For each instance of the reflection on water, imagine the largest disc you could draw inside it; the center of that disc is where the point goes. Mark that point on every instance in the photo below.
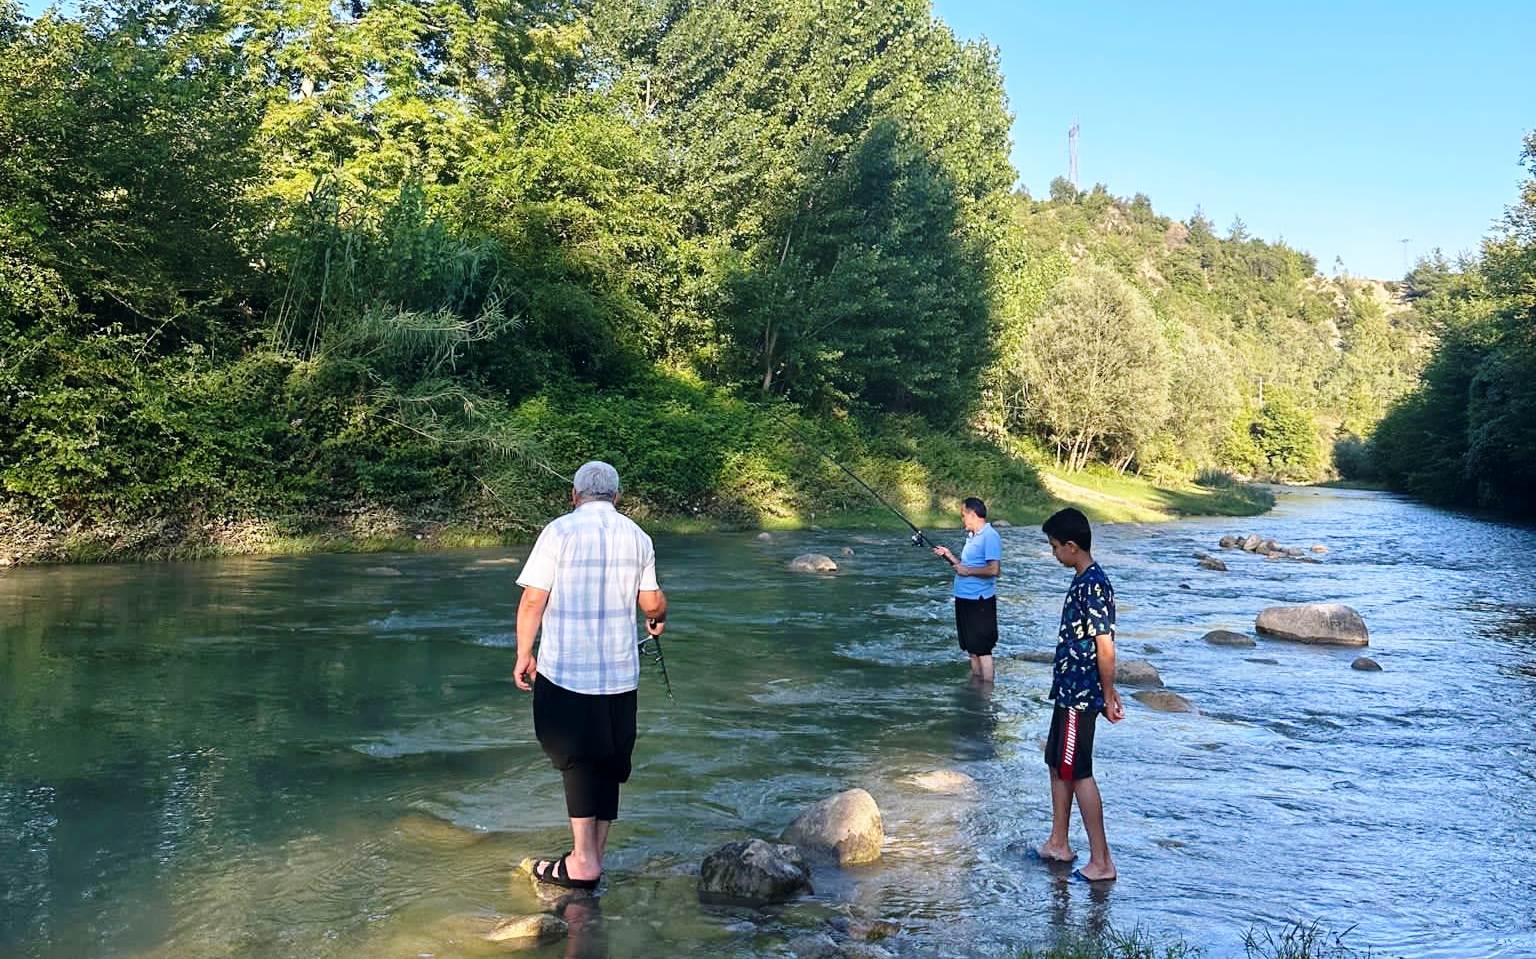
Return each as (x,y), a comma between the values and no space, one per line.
(305,757)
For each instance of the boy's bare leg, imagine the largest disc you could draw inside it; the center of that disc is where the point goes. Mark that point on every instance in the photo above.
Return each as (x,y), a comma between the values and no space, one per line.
(1057,847)
(1090,805)
(983,667)
(975,664)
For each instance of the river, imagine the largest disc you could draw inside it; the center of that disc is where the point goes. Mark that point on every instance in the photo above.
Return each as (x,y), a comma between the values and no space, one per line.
(316,757)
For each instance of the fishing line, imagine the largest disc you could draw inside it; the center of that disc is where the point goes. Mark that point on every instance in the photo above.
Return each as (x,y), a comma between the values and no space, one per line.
(918,539)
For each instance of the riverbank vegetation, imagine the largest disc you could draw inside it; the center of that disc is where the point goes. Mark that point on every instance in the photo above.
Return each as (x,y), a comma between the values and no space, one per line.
(277,273)
(1294,940)
(1466,435)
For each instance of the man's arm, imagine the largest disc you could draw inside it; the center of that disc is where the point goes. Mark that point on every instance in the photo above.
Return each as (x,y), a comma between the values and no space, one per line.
(1104,646)
(991,569)
(653,603)
(530,616)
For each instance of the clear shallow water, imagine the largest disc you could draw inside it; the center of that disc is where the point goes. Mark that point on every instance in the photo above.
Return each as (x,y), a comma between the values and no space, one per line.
(268,758)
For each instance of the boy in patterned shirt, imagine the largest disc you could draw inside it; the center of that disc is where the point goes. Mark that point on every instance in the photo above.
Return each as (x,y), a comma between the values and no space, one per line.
(1083,686)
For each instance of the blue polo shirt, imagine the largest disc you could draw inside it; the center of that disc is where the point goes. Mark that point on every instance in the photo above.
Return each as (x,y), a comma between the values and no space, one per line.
(981,547)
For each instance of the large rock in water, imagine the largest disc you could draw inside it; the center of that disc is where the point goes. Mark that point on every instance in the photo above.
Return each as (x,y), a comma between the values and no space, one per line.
(1332,624)
(1225,637)
(1251,544)
(813,563)
(846,825)
(1227,542)
(754,873)
(1163,701)
(1212,563)
(1137,672)
(1365,664)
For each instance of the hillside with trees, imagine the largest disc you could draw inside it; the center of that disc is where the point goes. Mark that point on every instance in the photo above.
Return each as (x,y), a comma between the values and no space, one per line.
(270,267)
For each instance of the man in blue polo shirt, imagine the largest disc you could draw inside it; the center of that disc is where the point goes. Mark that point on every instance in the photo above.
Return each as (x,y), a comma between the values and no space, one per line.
(976,572)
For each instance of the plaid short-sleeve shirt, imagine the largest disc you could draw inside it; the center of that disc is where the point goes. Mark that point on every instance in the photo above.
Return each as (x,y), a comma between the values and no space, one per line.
(593,561)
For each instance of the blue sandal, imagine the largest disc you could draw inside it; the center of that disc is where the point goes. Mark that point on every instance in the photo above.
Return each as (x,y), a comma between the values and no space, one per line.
(1077,876)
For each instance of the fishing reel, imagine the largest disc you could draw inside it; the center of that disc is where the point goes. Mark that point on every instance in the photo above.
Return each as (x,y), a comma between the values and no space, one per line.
(918,539)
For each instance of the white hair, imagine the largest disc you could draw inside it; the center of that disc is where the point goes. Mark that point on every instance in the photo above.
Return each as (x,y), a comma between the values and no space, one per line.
(596,480)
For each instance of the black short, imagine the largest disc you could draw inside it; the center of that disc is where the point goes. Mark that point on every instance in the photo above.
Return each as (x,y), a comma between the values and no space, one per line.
(590,739)
(976,621)
(1069,747)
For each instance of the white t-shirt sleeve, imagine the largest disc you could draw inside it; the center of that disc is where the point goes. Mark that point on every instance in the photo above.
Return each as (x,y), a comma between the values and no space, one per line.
(539,570)
(647,565)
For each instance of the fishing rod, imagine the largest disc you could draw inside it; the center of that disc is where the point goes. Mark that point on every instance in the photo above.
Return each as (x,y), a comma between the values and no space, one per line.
(918,539)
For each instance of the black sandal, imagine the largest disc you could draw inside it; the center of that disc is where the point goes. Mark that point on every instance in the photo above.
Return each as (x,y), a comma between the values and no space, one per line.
(554,872)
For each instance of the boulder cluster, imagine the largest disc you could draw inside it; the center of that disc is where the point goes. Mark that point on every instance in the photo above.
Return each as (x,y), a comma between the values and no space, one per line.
(1269,549)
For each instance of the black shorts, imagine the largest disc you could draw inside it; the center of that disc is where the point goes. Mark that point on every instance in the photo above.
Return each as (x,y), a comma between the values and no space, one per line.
(1069,747)
(590,739)
(976,621)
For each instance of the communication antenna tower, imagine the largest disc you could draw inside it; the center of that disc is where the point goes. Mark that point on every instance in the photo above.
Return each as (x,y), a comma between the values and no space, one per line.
(1072,153)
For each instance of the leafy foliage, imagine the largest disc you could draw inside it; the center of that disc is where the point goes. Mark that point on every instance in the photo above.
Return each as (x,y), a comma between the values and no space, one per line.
(1467,434)
(290,258)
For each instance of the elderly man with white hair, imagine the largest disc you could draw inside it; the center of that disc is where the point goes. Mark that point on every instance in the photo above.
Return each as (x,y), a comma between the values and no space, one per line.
(586,574)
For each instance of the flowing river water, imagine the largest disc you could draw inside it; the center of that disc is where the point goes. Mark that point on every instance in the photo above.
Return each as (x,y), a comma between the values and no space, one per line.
(325,756)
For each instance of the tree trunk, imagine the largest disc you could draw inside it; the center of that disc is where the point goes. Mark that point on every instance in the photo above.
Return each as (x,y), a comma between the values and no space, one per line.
(770,340)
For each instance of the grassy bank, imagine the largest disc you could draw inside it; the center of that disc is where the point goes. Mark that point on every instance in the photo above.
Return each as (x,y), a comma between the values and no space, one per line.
(693,459)
(162,538)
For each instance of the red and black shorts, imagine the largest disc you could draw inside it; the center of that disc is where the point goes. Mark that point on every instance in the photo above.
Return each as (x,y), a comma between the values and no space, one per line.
(1069,747)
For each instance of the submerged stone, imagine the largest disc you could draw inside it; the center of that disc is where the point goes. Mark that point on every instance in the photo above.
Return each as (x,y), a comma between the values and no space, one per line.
(1226,637)
(1164,701)
(1137,672)
(813,563)
(528,931)
(753,872)
(943,781)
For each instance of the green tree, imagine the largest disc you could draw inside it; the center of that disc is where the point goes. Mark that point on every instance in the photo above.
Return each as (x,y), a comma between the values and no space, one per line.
(847,165)
(1286,437)
(1094,370)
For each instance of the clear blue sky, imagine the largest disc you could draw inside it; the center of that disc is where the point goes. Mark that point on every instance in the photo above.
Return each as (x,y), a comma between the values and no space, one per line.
(1342,127)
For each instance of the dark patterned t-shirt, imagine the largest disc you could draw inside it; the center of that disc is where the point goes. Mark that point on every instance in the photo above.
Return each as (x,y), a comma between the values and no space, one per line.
(1088,611)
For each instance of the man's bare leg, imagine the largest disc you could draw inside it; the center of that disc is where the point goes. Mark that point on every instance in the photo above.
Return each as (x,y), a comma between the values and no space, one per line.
(586,858)
(602,841)
(1057,848)
(983,667)
(1090,805)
